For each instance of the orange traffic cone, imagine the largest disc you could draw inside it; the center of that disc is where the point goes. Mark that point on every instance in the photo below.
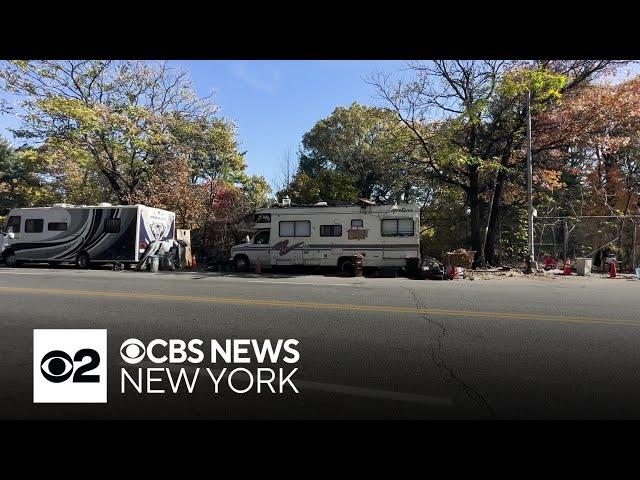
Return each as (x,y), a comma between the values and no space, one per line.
(258,267)
(567,267)
(613,273)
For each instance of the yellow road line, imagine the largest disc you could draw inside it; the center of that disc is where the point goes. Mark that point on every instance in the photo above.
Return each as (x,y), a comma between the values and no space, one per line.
(315,305)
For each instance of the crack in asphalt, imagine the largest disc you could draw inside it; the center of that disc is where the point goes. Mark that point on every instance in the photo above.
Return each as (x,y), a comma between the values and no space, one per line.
(446,372)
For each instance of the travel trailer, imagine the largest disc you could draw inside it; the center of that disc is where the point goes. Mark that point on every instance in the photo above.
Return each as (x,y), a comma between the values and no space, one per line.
(84,235)
(329,236)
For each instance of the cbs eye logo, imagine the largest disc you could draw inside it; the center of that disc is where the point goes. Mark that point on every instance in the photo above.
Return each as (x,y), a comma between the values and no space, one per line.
(132,351)
(69,366)
(56,366)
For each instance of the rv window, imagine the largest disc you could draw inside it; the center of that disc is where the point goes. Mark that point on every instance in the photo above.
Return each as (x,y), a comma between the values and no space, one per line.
(402,227)
(33,225)
(14,224)
(299,228)
(330,230)
(262,218)
(57,226)
(405,226)
(303,228)
(356,223)
(112,225)
(261,238)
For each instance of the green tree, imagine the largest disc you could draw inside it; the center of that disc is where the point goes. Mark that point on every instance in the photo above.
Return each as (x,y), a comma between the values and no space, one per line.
(256,190)
(128,132)
(213,149)
(126,117)
(21,182)
(467,120)
(357,145)
(326,185)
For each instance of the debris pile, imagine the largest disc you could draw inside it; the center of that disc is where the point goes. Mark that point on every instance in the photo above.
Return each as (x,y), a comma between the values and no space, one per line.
(162,255)
(460,258)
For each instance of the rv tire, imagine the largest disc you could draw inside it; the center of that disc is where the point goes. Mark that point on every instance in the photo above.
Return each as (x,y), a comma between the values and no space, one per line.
(241,263)
(346,266)
(10,259)
(82,260)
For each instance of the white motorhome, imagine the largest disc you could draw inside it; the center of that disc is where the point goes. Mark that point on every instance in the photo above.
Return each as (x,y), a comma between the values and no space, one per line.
(84,234)
(322,235)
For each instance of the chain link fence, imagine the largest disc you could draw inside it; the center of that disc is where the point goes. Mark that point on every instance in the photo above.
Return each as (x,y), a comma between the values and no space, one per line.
(592,237)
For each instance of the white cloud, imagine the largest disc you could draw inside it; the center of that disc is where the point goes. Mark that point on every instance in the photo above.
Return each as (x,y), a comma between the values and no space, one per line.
(267,84)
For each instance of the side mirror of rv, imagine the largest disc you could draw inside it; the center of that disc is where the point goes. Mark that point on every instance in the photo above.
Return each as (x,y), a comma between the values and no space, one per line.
(247,239)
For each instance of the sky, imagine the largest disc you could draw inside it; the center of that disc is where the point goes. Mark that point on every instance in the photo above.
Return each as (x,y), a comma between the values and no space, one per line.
(275,102)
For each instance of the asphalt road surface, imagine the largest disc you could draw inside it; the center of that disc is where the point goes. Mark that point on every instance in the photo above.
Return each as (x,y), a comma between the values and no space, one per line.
(370,348)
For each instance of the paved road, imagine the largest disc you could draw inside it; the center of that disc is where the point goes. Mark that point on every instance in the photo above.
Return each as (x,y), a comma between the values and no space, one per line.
(370,348)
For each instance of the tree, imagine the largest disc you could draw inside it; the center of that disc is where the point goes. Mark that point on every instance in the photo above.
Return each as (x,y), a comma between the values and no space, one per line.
(173,189)
(232,203)
(68,171)
(215,162)
(21,183)
(287,171)
(255,190)
(362,145)
(129,132)
(597,153)
(127,117)
(467,120)
(327,185)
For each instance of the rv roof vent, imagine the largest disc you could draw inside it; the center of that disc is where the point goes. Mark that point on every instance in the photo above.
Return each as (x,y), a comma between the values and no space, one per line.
(104,204)
(62,205)
(321,204)
(286,201)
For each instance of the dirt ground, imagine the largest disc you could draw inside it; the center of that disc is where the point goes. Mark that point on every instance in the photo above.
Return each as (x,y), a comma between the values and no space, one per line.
(551,275)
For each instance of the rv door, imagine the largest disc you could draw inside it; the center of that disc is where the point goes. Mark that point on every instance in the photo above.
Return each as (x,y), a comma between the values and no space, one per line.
(260,247)
(4,241)
(12,228)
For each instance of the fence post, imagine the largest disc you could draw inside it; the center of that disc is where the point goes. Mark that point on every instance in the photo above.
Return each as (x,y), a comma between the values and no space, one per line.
(633,248)
(566,240)
(620,237)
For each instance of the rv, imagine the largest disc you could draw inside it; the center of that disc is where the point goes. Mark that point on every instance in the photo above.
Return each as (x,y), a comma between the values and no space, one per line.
(83,235)
(330,236)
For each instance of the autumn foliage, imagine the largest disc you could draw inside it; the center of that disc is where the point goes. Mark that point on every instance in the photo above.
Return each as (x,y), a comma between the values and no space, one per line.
(591,140)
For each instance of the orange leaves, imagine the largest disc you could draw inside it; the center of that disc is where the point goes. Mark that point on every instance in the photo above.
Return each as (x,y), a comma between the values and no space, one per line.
(594,132)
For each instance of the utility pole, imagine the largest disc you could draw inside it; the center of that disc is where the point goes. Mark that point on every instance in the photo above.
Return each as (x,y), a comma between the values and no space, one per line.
(530,263)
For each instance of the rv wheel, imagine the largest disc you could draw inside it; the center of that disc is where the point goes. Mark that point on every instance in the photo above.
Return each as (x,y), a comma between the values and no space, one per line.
(10,259)
(241,263)
(82,260)
(346,267)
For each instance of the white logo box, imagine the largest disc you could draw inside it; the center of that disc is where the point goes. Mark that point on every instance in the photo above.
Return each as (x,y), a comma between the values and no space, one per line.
(69,341)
